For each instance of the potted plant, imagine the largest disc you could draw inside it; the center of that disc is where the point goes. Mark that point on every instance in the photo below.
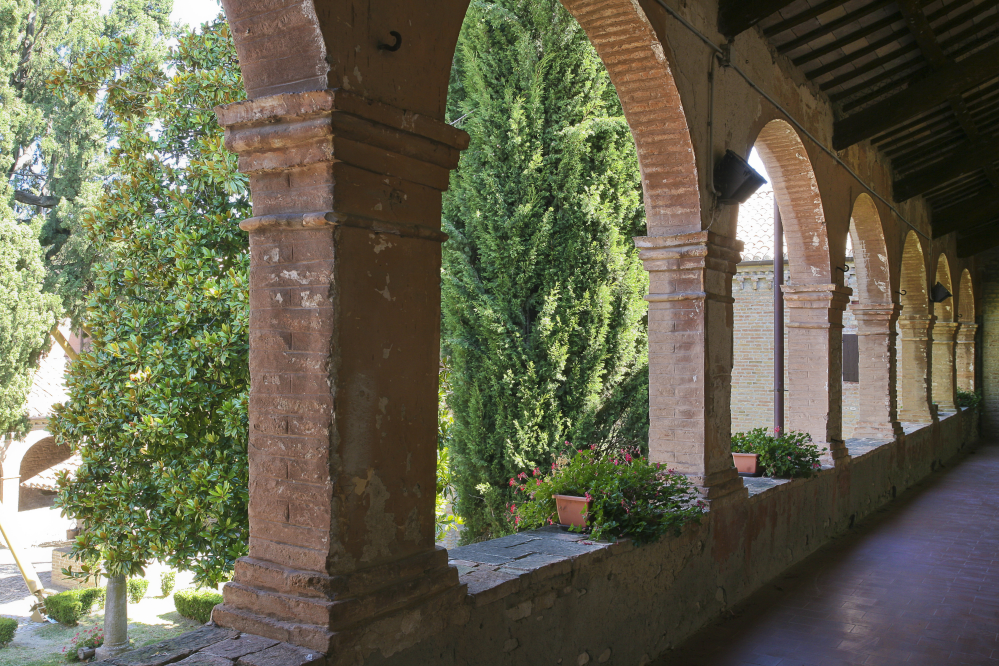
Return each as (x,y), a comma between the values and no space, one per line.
(623,494)
(782,454)
(747,464)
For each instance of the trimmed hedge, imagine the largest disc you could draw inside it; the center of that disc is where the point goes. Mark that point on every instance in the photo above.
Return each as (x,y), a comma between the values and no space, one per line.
(197,604)
(68,607)
(8,626)
(137,589)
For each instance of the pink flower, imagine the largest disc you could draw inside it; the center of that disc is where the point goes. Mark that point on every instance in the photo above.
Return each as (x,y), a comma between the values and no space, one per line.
(536,471)
(522,475)
(538,481)
(513,508)
(627,456)
(512,482)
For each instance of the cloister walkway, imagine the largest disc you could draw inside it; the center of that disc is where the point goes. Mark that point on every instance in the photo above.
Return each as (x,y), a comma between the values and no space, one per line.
(916,584)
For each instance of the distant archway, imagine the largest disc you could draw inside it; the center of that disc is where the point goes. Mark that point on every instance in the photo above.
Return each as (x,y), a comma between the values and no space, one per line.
(869,401)
(797,194)
(914,349)
(965,352)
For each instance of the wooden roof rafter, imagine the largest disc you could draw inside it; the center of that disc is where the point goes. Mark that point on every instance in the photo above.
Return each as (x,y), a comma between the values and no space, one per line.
(735,16)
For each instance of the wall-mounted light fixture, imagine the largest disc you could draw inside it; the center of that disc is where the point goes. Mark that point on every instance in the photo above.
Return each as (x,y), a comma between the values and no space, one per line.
(735,180)
(939,293)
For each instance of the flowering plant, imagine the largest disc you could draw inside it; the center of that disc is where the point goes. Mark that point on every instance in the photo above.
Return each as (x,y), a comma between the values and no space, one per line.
(629,496)
(783,454)
(86,639)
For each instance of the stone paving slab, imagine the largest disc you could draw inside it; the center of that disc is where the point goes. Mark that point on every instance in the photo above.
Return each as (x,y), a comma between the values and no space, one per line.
(174,649)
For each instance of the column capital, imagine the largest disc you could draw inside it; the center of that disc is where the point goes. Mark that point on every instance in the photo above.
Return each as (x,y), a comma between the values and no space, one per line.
(967,332)
(833,296)
(944,331)
(689,267)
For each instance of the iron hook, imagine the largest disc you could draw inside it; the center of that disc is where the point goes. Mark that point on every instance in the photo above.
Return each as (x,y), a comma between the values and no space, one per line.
(393,47)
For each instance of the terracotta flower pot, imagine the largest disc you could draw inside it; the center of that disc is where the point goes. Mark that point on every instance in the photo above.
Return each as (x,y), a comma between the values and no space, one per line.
(572,510)
(745,463)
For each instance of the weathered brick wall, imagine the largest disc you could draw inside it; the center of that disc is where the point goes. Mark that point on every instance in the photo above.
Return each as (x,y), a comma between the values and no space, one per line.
(62,559)
(990,346)
(753,346)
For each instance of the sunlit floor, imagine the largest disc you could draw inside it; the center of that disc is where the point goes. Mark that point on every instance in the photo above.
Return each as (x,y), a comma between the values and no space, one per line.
(916,584)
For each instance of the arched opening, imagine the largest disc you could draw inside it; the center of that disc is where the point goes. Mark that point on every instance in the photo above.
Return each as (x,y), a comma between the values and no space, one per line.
(914,325)
(943,335)
(965,352)
(377,233)
(869,405)
(814,341)
(37,471)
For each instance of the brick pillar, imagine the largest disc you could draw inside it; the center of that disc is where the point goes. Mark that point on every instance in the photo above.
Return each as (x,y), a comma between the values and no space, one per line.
(815,364)
(690,356)
(915,355)
(965,356)
(877,416)
(344,352)
(944,379)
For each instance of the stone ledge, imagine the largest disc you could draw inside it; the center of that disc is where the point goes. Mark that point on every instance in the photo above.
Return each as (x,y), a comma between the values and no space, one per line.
(214,646)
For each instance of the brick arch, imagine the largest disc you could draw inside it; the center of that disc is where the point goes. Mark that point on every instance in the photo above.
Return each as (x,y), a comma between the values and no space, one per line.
(636,61)
(966,298)
(284,50)
(797,193)
(944,311)
(915,299)
(44,454)
(870,253)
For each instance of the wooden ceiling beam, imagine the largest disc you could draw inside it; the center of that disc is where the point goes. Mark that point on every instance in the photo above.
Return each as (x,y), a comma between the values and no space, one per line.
(921,29)
(917,98)
(798,19)
(982,241)
(735,16)
(969,156)
(836,24)
(966,214)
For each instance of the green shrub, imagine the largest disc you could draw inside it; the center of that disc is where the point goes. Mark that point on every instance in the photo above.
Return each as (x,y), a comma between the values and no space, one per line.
(64,608)
(8,626)
(137,589)
(91,596)
(197,604)
(787,454)
(629,496)
(167,581)
(968,398)
(68,607)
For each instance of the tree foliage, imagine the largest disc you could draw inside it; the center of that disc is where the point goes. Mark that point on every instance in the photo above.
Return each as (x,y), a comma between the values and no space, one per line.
(27,314)
(157,408)
(53,144)
(543,314)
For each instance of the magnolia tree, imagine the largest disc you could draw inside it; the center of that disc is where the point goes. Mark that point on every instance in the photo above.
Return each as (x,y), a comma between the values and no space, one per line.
(158,407)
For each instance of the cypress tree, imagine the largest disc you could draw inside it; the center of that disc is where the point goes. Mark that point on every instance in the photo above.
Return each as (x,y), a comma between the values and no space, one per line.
(543,314)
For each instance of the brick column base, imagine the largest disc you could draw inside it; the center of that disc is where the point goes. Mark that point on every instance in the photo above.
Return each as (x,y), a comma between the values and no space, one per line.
(345,264)
(690,357)
(915,364)
(878,409)
(944,379)
(964,356)
(815,364)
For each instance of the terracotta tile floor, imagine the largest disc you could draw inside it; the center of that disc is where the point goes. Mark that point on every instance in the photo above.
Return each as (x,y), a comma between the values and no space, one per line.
(914,584)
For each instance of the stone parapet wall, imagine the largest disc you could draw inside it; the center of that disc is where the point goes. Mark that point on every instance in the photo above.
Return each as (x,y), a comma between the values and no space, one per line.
(544,597)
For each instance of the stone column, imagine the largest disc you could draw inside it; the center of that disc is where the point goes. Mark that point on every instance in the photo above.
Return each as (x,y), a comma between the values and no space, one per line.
(944,379)
(965,356)
(815,364)
(115,619)
(345,258)
(690,357)
(877,416)
(915,355)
